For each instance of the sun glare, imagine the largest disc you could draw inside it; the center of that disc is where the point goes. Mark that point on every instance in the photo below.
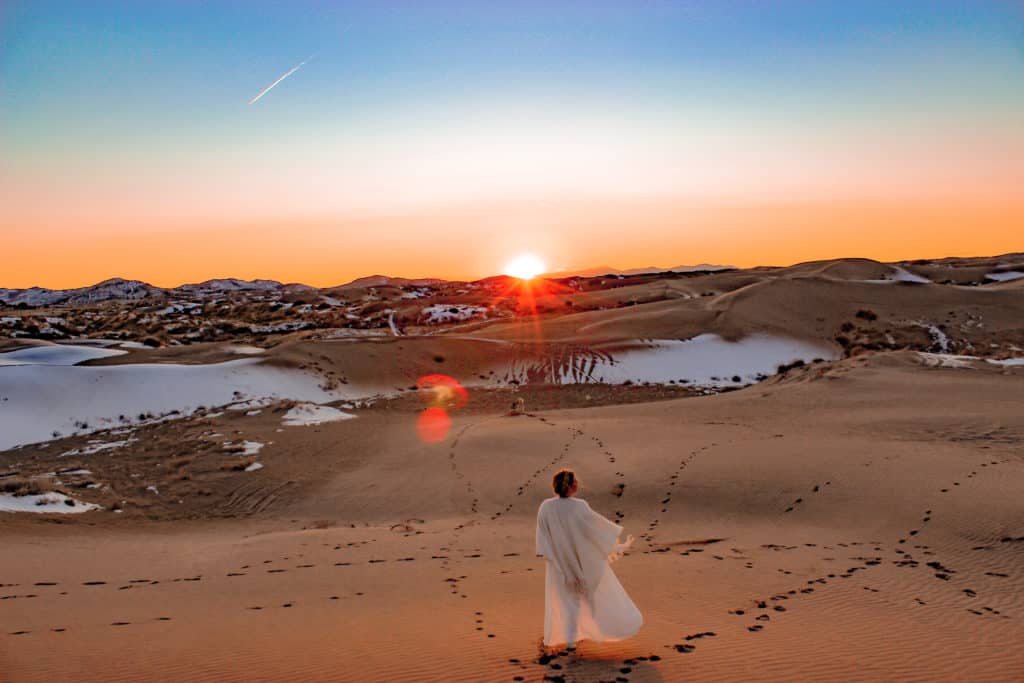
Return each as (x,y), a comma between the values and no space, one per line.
(524,267)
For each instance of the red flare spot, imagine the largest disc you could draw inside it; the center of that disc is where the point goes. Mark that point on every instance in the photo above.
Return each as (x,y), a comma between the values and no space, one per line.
(433,425)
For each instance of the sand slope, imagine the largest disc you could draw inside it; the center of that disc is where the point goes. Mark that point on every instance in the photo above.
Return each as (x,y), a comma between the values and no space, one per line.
(859,521)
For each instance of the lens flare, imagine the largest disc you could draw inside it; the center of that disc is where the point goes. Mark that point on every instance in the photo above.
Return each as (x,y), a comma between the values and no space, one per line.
(442,391)
(441,394)
(433,425)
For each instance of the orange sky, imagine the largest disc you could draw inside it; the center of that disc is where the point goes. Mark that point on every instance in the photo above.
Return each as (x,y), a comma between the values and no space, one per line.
(477,240)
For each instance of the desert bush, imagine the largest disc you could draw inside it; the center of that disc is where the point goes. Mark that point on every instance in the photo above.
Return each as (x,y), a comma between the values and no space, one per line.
(867,314)
(20,487)
(846,327)
(786,367)
(236,465)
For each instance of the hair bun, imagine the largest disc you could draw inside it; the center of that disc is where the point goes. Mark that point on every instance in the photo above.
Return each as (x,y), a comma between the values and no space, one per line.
(562,482)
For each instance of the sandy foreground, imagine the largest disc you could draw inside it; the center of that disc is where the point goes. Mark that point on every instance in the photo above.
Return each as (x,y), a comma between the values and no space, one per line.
(862,521)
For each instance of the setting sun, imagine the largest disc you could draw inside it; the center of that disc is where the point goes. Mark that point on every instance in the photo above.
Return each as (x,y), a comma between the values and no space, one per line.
(524,267)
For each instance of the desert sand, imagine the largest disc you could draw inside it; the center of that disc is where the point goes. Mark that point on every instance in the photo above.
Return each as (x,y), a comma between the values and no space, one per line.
(857,518)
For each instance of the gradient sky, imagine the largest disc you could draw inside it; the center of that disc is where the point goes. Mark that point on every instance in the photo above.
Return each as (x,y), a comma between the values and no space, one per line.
(440,138)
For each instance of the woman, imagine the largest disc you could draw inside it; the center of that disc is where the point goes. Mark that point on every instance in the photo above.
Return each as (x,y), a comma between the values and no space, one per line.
(583,598)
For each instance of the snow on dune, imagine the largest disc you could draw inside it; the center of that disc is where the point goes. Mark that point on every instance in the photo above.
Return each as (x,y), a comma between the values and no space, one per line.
(243,350)
(96,447)
(446,313)
(310,414)
(901,275)
(709,360)
(705,360)
(55,354)
(247,447)
(1004,276)
(949,360)
(44,502)
(39,400)
(1007,361)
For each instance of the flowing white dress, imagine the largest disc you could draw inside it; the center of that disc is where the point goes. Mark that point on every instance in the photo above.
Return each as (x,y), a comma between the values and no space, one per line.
(577,544)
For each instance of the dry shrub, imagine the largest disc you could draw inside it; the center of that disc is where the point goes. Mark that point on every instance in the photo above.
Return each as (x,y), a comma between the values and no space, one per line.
(20,487)
(237,465)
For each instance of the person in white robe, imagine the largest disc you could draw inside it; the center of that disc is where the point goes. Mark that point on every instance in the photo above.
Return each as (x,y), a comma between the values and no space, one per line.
(583,599)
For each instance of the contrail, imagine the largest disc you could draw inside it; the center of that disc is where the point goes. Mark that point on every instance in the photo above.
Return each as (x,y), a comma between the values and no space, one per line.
(287,73)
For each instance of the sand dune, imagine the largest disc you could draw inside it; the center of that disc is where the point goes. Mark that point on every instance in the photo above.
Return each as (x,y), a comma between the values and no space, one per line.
(856,518)
(854,502)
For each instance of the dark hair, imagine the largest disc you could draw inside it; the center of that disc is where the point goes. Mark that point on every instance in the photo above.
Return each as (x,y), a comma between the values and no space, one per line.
(563,481)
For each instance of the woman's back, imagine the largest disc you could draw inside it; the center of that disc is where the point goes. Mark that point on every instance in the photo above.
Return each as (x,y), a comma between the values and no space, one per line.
(583,598)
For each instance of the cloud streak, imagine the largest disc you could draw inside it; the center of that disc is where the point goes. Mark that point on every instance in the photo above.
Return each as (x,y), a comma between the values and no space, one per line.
(286,74)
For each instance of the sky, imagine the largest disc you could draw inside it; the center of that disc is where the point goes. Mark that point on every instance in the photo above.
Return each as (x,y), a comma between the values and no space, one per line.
(442,138)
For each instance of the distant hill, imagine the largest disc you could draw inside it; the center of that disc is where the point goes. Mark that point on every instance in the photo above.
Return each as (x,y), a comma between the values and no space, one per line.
(608,270)
(387,281)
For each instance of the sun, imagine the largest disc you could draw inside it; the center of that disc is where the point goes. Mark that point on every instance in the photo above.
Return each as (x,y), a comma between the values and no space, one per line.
(524,267)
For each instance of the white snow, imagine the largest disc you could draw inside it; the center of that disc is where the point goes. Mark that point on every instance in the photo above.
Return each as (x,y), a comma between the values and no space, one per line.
(47,398)
(94,448)
(392,325)
(279,327)
(946,360)
(9,320)
(253,467)
(153,489)
(251,404)
(132,345)
(310,414)
(705,360)
(248,447)
(1004,276)
(76,473)
(243,350)
(251,413)
(1007,361)
(901,275)
(444,313)
(904,275)
(191,308)
(44,502)
(55,354)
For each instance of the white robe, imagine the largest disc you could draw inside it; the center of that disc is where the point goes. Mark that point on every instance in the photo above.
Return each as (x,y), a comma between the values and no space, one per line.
(577,543)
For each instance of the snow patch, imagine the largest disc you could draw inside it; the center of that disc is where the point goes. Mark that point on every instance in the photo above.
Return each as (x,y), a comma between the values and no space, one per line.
(94,448)
(1004,276)
(243,350)
(311,414)
(705,360)
(248,447)
(253,467)
(445,313)
(43,399)
(44,502)
(55,354)
(901,275)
